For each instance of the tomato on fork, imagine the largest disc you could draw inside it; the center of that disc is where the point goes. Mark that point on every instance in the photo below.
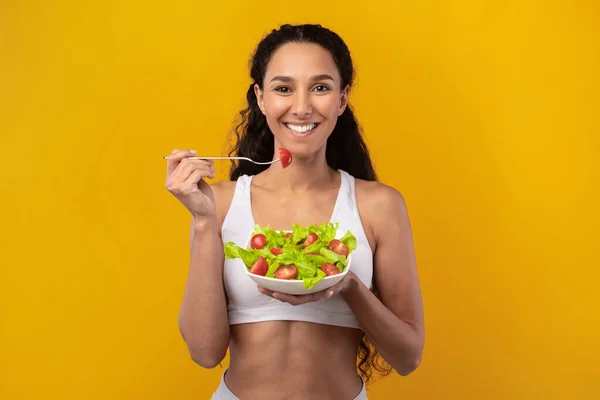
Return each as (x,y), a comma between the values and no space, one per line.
(286,157)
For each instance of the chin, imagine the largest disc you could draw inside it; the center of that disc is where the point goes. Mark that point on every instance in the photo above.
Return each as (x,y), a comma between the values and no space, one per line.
(304,149)
(299,152)
(301,147)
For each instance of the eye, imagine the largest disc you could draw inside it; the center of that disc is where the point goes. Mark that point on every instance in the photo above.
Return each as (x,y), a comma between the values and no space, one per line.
(282,89)
(321,88)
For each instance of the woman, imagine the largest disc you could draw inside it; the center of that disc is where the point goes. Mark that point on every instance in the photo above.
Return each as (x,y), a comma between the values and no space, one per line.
(298,347)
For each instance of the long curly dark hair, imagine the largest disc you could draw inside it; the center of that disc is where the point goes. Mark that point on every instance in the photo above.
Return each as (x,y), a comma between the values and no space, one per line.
(345,149)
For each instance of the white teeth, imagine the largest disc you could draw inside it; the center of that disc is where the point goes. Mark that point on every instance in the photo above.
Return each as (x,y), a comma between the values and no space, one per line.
(302,128)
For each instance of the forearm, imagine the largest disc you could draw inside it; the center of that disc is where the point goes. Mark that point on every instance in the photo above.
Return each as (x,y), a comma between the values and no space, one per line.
(399,343)
(203,316)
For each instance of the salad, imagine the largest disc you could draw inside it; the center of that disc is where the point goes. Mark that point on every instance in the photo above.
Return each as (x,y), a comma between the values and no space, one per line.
(307,253)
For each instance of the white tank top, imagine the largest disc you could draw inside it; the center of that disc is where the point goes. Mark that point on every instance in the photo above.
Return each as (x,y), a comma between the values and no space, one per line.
(246,304)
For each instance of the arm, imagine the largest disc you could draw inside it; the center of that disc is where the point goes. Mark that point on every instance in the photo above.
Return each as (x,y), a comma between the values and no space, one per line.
(394,324)
(203,319)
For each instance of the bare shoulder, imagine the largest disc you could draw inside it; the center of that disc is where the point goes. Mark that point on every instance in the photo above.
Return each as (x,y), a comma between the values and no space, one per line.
(223,192)
(379,206)
(379,202)
(377,193)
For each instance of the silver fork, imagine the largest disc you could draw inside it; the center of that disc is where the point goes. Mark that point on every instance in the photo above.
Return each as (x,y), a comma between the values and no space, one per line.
(230,158)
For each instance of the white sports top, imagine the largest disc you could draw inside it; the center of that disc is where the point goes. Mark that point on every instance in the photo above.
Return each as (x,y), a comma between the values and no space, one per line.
(246,304)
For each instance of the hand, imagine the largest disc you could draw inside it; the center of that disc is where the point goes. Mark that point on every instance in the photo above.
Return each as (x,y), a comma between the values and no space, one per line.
(185,180)
(294,300)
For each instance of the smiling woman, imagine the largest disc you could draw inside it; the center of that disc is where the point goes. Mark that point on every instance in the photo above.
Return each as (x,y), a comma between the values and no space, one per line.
(298,101)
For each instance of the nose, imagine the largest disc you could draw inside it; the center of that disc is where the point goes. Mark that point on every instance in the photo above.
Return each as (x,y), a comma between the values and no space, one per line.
(301,106)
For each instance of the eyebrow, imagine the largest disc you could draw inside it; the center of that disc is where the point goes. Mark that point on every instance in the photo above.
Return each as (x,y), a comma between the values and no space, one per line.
(314,78)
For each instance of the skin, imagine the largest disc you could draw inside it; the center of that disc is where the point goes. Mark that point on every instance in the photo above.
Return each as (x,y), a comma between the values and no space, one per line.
(293,359)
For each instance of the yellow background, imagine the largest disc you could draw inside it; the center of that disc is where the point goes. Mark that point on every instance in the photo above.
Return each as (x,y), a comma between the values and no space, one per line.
(484,114)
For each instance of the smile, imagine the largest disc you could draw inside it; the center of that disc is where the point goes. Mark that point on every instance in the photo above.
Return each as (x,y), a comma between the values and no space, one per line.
(302,130)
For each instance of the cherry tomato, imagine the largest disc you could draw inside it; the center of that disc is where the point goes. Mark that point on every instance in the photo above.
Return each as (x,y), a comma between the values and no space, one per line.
(286,157)
(310,239)
(287,235)
(276,251)
(259,267)
(338,247)
(258,241)
(286,272)
(330,269)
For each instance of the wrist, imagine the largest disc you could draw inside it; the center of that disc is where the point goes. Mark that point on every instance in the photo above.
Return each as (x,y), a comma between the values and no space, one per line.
(202,224)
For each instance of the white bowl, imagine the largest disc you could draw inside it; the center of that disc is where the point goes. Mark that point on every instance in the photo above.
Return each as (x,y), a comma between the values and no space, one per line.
(293,286)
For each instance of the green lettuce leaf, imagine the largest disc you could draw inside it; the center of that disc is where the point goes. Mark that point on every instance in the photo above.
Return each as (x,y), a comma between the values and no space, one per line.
(247,256)
(349,240)
(318,260)
(314,248)
(299,233)
(333,257)
(305,269)
(309,283)
(265,252)
(326,232)
(271,271)
(289,256)
(274,238)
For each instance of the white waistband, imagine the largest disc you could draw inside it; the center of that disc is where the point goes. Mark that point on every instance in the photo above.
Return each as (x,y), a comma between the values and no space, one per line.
(223,392)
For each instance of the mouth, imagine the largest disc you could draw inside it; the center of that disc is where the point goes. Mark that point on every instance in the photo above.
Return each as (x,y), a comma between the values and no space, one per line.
(302,130)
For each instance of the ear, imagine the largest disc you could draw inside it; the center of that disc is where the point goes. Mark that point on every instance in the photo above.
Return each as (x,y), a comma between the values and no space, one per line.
(259,97)
(344,100)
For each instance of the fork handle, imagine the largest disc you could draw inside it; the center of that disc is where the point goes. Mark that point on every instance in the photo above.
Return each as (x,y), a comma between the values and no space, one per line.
(212,158)
(232,158)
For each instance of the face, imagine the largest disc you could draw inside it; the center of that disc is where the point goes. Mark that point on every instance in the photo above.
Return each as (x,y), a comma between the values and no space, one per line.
(302,97)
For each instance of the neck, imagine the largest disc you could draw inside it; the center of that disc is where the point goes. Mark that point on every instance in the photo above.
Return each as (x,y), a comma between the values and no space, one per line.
(303,174)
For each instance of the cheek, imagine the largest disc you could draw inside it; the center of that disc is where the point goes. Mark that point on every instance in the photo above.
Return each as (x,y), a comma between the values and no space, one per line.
(327,106)
(276,106)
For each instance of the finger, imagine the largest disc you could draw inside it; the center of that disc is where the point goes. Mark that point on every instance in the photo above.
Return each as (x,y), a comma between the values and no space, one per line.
(185,172)
(189,183)
(278,296)
(181,181)
(332,291)
(271,293)
(189,164)
(195,177)
(291,299)
(340,286)
(297,300)
(311,297)
(175,158)
(178,156)
(186,167)
(264,291)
